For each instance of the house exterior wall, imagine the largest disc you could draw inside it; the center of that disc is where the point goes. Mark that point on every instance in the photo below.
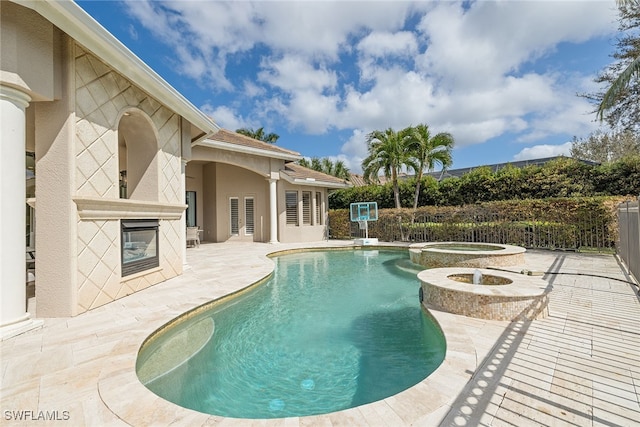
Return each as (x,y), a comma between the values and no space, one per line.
(30,52)
(102,97)
(230,174)
(233,181)
(218,175)
(314,232)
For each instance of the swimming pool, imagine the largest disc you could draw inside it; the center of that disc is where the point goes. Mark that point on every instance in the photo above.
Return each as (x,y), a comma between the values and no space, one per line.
(328,331)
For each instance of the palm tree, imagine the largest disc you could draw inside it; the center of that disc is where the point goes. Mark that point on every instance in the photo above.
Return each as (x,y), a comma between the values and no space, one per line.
(259,134)
(428,151)
(341,170)
(621,83)
(326,165)
(389,151)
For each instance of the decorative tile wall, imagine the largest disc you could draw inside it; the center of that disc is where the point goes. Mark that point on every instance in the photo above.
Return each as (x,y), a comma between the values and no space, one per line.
(98,263)
(101,95)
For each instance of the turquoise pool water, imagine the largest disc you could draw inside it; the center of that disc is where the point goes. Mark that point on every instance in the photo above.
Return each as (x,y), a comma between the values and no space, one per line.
(329,331)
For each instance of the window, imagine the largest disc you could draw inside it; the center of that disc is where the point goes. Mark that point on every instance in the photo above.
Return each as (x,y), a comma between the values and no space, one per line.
(191,209)
(291,199)
(249,225)
(234,217)
(318,208)
(306,207)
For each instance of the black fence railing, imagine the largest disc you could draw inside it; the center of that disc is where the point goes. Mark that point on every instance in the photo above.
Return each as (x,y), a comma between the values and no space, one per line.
(629,247)
(587,231)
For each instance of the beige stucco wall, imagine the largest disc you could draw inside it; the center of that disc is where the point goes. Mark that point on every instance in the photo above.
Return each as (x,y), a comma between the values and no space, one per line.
(72,125)
(102,97)
(258,164)
(216,182)
(53,126)
(301,232)
(30,47)
(233,181)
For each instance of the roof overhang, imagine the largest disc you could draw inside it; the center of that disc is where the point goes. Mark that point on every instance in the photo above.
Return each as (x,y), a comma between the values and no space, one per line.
(79,25)
(313,182)
(209,143)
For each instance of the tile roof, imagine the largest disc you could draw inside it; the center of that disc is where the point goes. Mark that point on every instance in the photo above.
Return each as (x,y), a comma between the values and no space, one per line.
(230,137)
(297,172)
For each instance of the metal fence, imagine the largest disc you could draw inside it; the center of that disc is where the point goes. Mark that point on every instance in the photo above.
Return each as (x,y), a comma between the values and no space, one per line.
(587,231)
(629,247)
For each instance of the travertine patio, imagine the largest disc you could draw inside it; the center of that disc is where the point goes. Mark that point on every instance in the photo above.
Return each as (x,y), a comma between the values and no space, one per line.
(580,366)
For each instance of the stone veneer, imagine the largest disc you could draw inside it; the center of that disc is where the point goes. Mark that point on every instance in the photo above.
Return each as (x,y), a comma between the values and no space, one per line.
(433,255)
(526,298)
(102,95)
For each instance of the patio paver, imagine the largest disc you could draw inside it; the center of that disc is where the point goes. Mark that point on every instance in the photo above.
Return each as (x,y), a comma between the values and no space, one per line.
(580,366)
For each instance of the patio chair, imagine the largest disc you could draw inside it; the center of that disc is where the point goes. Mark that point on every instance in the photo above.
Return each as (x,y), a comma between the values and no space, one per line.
(193,236)
(31,266)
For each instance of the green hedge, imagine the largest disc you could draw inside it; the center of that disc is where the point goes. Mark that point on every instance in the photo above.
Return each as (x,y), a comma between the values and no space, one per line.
(566,223)
(564,177)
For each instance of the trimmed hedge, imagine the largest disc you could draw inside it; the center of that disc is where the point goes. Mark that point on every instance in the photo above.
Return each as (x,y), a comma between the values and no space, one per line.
(560,223)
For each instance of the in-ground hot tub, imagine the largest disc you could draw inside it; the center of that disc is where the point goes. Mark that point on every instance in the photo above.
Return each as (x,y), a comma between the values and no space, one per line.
(499,296)
(463,254)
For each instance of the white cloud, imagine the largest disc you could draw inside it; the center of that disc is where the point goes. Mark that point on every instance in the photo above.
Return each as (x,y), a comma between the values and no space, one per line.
(355,150)
(381,44)
(474,47)
(543,150)
(225,117)
(293,73)
(319,66)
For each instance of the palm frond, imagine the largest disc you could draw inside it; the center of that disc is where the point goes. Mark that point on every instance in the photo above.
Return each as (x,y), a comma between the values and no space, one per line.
(618,87)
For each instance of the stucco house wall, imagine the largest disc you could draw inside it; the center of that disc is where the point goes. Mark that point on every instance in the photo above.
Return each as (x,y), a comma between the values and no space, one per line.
(313,232)
(103,97)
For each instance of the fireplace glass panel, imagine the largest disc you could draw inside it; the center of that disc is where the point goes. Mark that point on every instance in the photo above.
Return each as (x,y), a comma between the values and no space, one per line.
(139,246)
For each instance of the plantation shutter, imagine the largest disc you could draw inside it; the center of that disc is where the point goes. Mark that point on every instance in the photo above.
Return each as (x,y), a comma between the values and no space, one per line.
(233,210)
(248,216)
(306,207)
(291,198)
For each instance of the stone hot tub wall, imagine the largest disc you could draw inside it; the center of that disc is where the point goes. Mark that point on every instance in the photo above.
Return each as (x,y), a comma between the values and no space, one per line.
(526,298)
(432,257)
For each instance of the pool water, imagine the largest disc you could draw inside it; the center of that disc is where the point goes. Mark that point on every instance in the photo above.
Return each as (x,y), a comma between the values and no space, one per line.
(328,331)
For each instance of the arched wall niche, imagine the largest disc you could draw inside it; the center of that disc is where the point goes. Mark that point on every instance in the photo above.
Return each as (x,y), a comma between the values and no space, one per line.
(137,156)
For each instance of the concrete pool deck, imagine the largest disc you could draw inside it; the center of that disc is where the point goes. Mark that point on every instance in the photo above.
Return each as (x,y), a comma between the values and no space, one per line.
(580,366)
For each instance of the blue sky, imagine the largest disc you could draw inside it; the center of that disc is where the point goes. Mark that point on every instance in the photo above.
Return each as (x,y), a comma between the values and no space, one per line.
(501,77)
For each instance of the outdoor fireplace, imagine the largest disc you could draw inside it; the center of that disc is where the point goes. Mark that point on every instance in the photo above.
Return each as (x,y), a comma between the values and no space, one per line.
(139,245)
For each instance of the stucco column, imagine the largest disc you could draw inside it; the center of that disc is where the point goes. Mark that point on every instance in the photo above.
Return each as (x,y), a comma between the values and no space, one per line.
(14,318)
(183,221)
(273,211)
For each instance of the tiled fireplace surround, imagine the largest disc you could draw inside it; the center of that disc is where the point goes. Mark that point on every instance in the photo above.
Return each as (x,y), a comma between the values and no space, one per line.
(102,95)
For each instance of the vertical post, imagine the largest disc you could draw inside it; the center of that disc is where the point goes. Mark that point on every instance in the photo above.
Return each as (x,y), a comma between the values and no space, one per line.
(14,318)
(183,219)
(273,211)
(636,262)
(628,231)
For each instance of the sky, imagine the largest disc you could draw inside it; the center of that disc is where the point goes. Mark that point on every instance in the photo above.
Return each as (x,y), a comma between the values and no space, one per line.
(502,77)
